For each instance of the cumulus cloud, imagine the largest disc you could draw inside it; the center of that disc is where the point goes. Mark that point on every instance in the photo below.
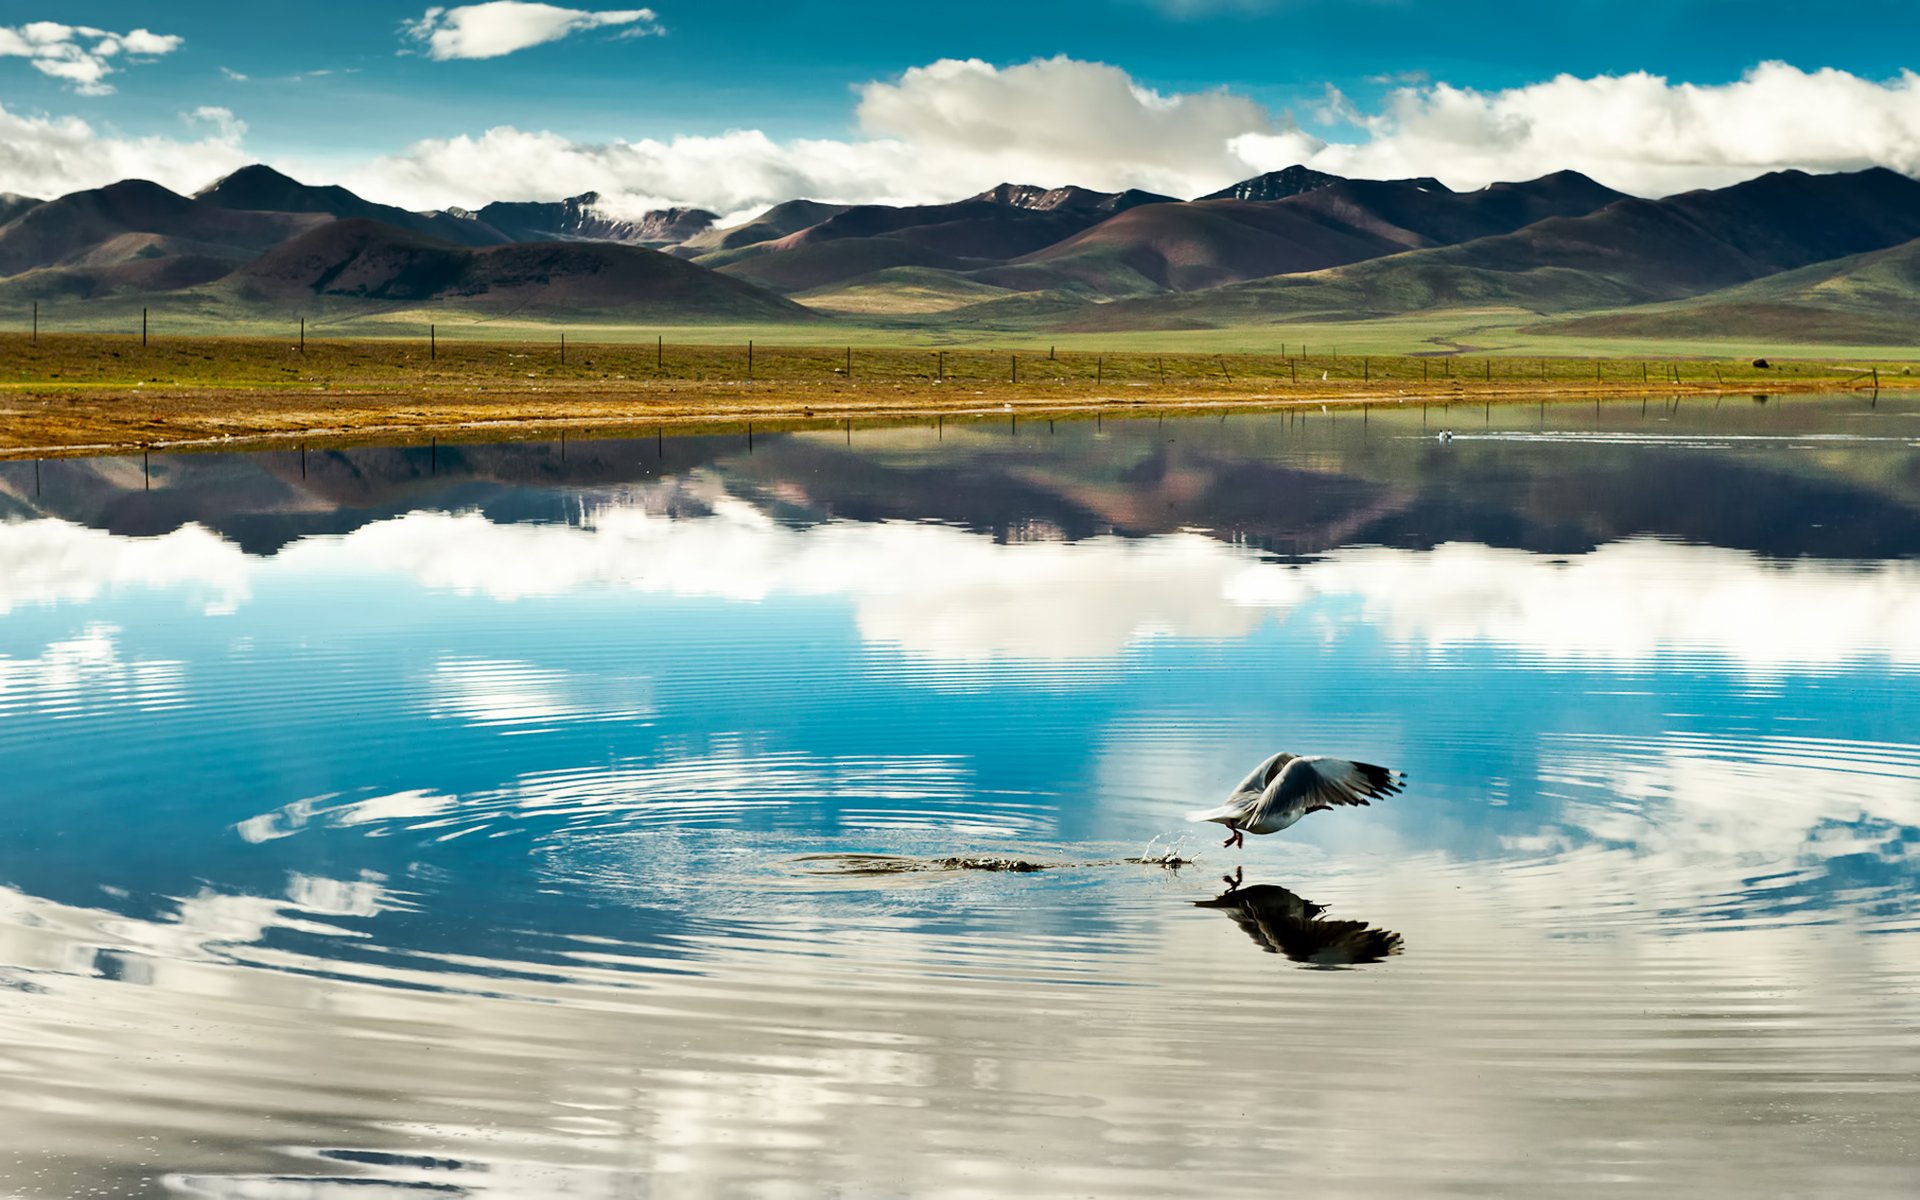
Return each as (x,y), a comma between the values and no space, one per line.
(1641,133)
(504,26)
(50,156)
(80,55)
(957,126)
(954,127)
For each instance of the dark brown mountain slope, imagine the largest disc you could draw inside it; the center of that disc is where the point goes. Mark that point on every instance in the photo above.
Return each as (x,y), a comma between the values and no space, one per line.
(365,260)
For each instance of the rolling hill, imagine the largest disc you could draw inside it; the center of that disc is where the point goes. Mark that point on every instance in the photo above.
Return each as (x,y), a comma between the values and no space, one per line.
(12,205)
(1210,243)
(1864,299)
(776,222)
(1785,256)
(1630,252)
(365,261)
(582,218)
(993,227)
(93,227)
(260,188)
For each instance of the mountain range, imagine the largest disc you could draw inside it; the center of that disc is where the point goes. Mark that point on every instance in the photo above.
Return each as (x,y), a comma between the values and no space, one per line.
(1783,257)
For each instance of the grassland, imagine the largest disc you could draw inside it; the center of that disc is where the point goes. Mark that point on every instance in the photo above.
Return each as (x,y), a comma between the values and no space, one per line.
(81,393)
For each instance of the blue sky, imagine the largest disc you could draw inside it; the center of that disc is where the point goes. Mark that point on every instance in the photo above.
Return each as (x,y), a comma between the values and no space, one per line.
(334,88)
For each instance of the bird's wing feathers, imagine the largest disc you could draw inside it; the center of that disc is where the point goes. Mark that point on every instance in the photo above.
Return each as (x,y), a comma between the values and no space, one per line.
(1263,775)
(1316,782)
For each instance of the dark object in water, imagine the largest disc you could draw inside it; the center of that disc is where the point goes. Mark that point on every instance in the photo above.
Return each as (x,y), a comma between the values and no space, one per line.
(897,864)
(1280,922)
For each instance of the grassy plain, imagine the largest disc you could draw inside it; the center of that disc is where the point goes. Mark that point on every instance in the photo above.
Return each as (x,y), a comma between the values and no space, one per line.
(80,393)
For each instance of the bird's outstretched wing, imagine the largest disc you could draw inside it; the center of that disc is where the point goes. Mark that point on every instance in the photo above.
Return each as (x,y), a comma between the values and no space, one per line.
(1263,775)
(1316,782)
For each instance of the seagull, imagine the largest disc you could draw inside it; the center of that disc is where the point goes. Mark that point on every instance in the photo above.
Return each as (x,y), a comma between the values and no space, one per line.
(1287,787)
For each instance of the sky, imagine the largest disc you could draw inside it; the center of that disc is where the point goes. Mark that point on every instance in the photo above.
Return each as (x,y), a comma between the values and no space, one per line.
(736,104)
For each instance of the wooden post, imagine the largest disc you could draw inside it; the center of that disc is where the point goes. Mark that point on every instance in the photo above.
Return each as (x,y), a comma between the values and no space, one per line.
(940,366)
(303,335)
(36,329)
(1223,367)
(1643,372)
(749,380)
(1489,370)
(563,349)
(1426,369)
(143,327)
(1013,368)
(1366,369)
(1099,370)
(1161,365)
(660,353)
(433,343)
(849,362)
(1050,350)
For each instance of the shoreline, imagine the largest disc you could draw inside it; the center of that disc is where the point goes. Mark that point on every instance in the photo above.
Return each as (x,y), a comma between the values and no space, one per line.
(76,394)
(96,423)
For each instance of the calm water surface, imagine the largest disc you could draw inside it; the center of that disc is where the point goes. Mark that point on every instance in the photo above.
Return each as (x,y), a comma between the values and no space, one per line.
(522,820)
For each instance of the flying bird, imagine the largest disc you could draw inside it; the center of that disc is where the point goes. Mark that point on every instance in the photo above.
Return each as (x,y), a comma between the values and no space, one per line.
(1287,787)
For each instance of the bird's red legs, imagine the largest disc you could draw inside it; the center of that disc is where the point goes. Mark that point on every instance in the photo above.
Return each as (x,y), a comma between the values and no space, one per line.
(1237,839)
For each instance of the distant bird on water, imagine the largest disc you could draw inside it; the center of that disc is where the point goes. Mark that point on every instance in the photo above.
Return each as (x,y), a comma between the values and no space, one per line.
(1287,787)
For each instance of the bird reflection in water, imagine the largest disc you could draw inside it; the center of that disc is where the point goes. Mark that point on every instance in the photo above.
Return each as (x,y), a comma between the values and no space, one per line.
(1280,922)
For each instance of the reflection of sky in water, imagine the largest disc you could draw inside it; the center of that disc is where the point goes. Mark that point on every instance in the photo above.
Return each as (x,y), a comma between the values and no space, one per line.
(541,759)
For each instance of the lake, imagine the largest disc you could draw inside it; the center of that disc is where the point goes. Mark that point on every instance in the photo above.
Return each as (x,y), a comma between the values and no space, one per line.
(603,818)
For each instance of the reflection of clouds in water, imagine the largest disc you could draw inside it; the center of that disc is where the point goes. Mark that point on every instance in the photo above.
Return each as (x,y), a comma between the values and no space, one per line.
(948,595)
(50,561)
(1628,601)
(491,692)
(87,674)
(1692,797)
(905,791)
(931,589)
(39,935)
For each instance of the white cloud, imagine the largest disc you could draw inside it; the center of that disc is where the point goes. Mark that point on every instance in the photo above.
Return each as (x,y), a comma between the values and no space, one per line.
(88,674)
(50,156)
(953,127)
(230,129)
(78,54)
(949,596)
(1639,132)
(504,26)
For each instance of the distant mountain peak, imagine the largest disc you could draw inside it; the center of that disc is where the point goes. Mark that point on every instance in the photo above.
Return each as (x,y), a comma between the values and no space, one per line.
(1070,198)
(1277,185)
(582,218)
(249,177)
(1298,180)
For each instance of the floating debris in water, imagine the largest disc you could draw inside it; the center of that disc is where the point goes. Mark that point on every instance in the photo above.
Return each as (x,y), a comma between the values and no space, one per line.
(896,864)
(900,864)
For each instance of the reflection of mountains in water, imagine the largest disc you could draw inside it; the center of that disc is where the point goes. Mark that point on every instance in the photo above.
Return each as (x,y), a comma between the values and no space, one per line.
(1281,922)
(1280,482)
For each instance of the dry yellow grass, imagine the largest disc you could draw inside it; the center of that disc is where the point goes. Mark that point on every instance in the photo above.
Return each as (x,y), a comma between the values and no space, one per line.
(83,394)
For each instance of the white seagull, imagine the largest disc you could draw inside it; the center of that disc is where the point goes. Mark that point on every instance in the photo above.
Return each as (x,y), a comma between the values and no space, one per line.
(1287,787)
